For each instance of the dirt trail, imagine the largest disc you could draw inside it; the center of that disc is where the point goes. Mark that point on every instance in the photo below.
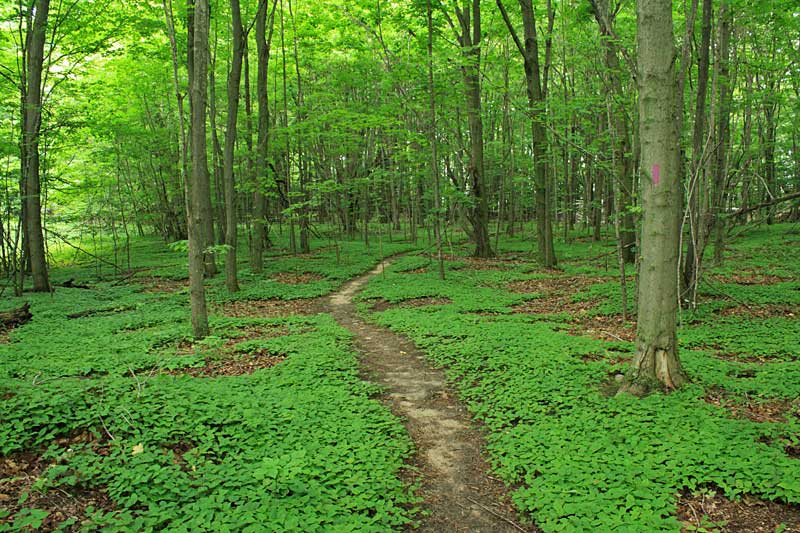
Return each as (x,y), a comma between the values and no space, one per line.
(459,494)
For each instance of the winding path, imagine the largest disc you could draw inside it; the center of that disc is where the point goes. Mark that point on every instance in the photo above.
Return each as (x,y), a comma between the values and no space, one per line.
(458,492)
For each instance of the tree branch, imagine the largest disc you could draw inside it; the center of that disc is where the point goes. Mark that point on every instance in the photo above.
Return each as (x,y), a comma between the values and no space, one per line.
(510,27)
(782,199)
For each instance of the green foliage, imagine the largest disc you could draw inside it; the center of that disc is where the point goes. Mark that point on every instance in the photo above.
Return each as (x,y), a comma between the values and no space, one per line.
(299,446)
(584,461)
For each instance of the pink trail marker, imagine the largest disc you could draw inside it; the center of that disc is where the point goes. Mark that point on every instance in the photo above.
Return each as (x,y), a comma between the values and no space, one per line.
(656,174)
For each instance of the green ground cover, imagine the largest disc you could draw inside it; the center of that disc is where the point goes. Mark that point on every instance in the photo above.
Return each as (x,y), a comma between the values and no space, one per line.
(105,392)
(584,461)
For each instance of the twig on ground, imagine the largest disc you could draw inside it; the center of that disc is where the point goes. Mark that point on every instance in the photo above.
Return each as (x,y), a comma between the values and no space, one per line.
(105,428)
(612,335)
(498,515)
(138,383)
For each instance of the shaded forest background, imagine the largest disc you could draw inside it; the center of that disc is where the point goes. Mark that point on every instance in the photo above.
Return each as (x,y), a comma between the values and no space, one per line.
(323,119)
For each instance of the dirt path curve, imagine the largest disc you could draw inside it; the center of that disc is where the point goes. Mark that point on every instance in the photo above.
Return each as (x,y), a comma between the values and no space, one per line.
(458,493)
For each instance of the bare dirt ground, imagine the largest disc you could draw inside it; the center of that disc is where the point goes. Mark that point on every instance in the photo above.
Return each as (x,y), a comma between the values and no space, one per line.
(459,494)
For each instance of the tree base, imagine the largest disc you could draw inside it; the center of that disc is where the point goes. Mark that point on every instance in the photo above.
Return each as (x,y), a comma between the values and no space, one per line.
(655,369)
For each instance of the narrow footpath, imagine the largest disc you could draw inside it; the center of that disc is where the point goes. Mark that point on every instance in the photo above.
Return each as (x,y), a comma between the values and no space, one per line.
(458,492)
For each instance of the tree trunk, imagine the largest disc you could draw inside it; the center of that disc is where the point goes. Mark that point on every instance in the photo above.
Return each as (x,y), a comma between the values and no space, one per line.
(31,127)
(198,189)
(622,148)
(720,177)
(263,42)
(656,363)
(536,90)
(469,37)
(437,197)
(696,186)
(234,81)
(305,232)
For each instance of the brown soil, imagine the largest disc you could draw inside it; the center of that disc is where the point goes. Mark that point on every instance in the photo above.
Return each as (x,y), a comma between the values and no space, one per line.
(155,284)
(233,365)
(258,332)
(741,358)
(383,305)
(457,490)
(273,308)
(761,311)
(20,471)
(756,411)
(561,285)
(598,357)
(556,295)
(749,277)
(604,327)
(478,263)
(290,278)
(750,515)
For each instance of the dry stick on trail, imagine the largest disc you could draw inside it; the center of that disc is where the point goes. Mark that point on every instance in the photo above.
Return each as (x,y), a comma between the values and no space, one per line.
(455,484)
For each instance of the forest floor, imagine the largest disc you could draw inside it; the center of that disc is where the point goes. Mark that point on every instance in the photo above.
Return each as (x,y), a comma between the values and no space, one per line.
(458,492)
(333,395)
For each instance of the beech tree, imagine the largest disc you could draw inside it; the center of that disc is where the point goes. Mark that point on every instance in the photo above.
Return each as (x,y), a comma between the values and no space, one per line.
(656,363)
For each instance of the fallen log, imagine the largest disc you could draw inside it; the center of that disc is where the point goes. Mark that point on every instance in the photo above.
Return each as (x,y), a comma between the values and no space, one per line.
(15,317)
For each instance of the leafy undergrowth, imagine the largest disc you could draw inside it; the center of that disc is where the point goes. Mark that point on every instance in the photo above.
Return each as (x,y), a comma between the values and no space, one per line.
(584,461)
(114,420)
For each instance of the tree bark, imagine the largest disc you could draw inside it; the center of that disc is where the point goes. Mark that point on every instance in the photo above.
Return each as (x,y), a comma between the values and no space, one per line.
(720,174)
(198,189)
(437,197)
(622,146)
(263,42)
(656,363)
(696,186)
(234,81)
(305,232)
(31,126)
(536,90)
(468,34)
(15,317)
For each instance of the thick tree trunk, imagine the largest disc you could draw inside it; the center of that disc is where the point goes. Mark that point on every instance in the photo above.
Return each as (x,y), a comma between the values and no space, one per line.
(234,81)
(198,189)
(31,126)
(656,363)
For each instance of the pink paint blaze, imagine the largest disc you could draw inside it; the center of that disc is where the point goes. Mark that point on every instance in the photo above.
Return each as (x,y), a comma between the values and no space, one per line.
(656,174)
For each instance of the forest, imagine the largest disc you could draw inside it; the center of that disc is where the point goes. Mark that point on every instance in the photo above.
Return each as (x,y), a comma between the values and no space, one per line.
(400,265)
